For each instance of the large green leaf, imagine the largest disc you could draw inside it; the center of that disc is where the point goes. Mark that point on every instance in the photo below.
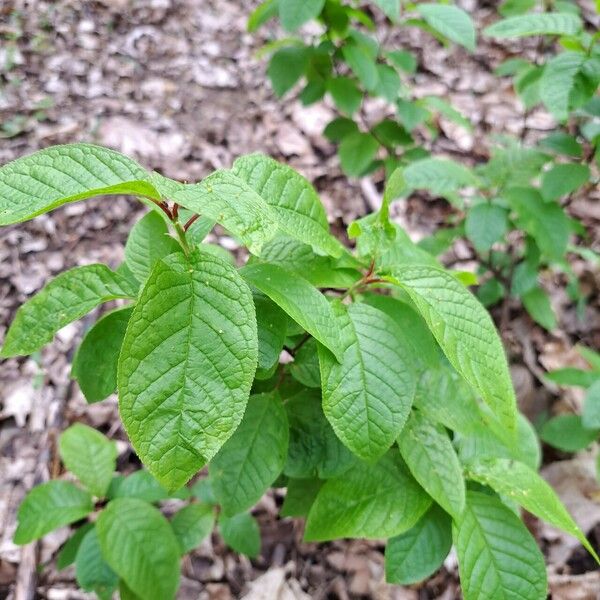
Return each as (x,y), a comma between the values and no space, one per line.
(95,362)
(65,299)
(523,485)
(368,395)
(148,242)
(535,24)
(451,21)
(557,82)
(431,458)
(466,334)
(298,207)
(187,364)
(369,501)
(37,183)
(139,544)
(92,571)
(90,456)
(300,300)
(253,457)
(497,556)
(241,533)
(192,524)
(294,13)
(314,449)
(417,553)
(49,506)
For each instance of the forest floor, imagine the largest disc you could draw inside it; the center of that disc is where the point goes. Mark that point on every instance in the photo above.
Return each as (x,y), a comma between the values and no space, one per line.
(178,85)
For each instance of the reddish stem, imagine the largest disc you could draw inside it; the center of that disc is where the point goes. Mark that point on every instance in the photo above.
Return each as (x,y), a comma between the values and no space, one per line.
(190,221)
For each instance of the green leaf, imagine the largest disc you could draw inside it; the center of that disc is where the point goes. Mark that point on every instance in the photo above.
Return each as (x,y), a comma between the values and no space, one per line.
(357,152)
(286,68)
(523,485)
(293,199)
(140,485)
(439,175)
(567,433)
(68,552)
(590,356)
(271,324)
(187,364)
(429,454)
(339,128)
(535,24)
(572,376)
(299,497)
(139,544)
(241,533)
(300,300)
(370,501)
(92,572)
(253,457)
(391,8)
(305,367)
(362,63)
(229,201)
(451,21)
(392,134)
(466,334)
(591,408)
(148,242)
(95,362)
(485,225)
(558,81)
(419,552)
(90,456)
(49,506)
(261,14)
(65,299)
(367,396)
(562,143)
(388,84)
(345,93)
(564,179)
(192,524)
(294,13)
(403,60)
(314,449)
(537,304)
(497,556)
(35,184)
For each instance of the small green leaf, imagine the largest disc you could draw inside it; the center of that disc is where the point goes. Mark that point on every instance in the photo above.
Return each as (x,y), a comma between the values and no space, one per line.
(339,128)
(90,456)
(429,454)
(95,362)
(92,572)
(305,367)
(294,13)
(35,184)
(451,21)
(572,376)
(49,506)
(388,84)
(65,299)
(391,8)
(139,544)
(403,60)
(271,324)
(567,433)
(362,63)
(558,82)
(368,395)
(523,485)
(419,552)
(345,93)
(261,14)
(68,552)
(357,152)
(192,524)
(286,68)
(564,179)
(300,300)
(140,485)
(299,497)
(535,24)
(537,304)
(485,225)
(562,143)
(439,175)
(591,408)
(187,364)
(253,457)
(241,533)
(497,556)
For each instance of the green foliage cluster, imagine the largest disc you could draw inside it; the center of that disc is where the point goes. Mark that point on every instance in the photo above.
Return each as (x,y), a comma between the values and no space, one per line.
(394,417)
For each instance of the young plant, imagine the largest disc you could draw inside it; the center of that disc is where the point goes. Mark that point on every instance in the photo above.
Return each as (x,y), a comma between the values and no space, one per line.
(344,59)
(393,416)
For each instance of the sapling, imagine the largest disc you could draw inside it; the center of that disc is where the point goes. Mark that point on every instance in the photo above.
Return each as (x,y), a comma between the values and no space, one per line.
(393,417)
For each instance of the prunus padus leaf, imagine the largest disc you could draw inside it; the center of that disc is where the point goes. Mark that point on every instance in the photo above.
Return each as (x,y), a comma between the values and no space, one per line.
(563,179)
(417,553)
(68,552)
(523,485)
(485,225)
(305,367)
(253,457)
(357,152)
(294,200)
(466,333)
(391,8)
(148,241)
(432,460)
(294,13)
(367,396)
(535,24)
(557,82)
(141,485)
(49,506)
(91,570)
(439,175)
(187,364)
(191,524)
(451,21)
(299,497)
(35,184)
(271,324)
(90,456)
(65,299)
(497,556)
(347,97)
(286,67)
(299,299)
(140,546)
(95,362)
(241,533)
(370,500)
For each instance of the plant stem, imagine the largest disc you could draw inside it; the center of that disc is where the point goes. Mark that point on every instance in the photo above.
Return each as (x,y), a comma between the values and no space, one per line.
(180,231)
(190,222)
